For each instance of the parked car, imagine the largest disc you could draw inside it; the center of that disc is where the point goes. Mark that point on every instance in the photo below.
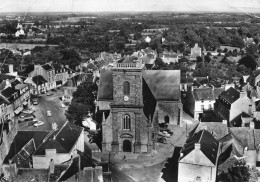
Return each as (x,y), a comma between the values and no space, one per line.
(49,113)
(28,111)
(49,93)
(25,117)
(164,134)
(162,140)
(62,105)
(32,122)
(167,130)
(35,101)
(38,123)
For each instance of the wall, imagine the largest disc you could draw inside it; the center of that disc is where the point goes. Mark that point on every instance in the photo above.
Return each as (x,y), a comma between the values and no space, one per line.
(207,106)
(171,109)
(189,172)
(43,162)
(239,106)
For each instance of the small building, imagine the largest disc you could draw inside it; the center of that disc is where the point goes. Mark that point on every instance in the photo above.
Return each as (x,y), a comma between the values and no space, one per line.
(195,51)
(231,104)
(61,145)
(199,157)
(202,99)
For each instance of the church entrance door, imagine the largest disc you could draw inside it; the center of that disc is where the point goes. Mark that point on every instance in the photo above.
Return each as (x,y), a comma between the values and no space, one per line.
(127,146)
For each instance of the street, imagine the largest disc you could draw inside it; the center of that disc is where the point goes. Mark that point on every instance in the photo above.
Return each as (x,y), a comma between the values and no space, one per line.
(47,103)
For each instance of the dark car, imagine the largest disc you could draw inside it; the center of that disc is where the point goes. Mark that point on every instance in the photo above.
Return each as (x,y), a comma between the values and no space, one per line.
(162,140)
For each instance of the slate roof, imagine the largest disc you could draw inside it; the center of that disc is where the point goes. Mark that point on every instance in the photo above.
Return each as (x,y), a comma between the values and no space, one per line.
(208,145)
(130,59)
(47,67)
(28,69)
(21,139)
(105,88)
(62,140)
(230,95)
(91,66)
(245,135)
(74,166)
(21,158)
(148,60)
(217,129)
(164,84)
(4,77)
(8,93)
(39,80)
(149,101)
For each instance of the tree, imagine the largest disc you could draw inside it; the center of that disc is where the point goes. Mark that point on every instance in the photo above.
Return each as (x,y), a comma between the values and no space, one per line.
(248,61)
(239,172)
(83,101)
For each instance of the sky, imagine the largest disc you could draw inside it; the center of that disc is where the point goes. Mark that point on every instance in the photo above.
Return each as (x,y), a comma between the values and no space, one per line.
(249,6)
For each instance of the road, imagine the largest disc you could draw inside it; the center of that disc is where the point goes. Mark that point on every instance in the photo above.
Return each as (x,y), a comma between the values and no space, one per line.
(47,103)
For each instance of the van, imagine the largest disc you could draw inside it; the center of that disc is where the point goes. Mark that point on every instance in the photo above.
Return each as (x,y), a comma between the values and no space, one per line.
(35,101)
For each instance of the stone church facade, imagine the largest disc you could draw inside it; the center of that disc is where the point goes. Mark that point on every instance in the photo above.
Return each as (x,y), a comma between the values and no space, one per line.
(135,105)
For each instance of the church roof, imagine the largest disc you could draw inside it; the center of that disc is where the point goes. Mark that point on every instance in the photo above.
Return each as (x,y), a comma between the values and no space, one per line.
(105,88)
(164,84)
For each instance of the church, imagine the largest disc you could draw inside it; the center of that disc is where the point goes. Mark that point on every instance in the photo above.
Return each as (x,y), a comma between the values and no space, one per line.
(135,100)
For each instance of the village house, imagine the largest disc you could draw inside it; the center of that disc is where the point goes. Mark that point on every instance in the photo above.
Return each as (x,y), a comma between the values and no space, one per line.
(170,58)
(199,157)
(195,51)
(59,146)
(199,100)
(231,104)
(61,75)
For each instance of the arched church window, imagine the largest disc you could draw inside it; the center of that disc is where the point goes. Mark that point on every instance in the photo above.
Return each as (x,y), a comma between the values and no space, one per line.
(126,122)
(126,88)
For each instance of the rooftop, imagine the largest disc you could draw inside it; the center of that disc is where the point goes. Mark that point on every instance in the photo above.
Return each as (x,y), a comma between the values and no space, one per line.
(62,140)
(230,95)
(208,145)
(47,67)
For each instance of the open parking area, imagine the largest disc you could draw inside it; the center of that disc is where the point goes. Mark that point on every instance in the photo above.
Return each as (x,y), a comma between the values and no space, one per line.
(50,102)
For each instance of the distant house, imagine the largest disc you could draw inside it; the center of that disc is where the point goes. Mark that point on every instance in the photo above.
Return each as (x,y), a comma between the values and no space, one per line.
(61,75)
(199,157)
(187,82)
(195,51)
(201,99)
(231,104)
(170,58)
(49,75)
(72,84)
(39,84)
(61,145)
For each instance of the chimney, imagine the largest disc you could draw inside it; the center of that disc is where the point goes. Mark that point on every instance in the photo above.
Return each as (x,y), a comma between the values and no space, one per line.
(242,94)
(11,68)
(252,125)
(51,166)
(197,146)
(98,174)
(224,122)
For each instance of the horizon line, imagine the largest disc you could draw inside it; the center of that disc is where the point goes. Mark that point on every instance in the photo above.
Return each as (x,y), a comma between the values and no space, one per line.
(144,11)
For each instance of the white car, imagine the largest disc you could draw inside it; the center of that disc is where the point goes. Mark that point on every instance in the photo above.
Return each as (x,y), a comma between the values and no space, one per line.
(62,105)
(49,113)
(164,133)
(38,123)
